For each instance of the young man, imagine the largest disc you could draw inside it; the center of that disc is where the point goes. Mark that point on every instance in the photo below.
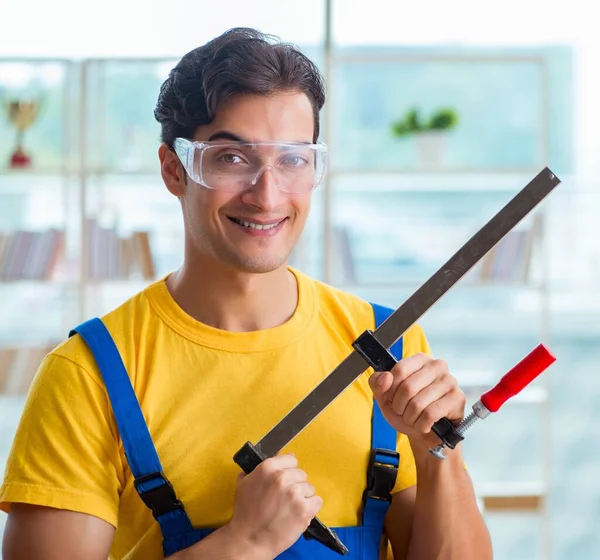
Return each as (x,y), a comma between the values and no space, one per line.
(220,350)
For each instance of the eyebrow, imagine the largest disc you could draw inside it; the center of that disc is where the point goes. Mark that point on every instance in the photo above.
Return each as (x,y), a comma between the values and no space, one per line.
(224,135)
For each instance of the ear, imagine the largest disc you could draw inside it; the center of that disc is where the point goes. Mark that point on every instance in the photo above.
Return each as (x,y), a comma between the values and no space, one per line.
(172,171)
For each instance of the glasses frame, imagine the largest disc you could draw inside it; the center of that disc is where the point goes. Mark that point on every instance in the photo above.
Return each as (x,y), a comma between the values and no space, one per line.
(186,149)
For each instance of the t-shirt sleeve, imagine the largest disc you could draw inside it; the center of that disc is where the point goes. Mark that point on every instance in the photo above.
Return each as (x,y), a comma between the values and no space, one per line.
(414,342)
(66,451)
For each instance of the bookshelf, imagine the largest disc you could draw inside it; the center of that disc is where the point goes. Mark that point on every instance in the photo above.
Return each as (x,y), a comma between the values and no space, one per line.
(390,217)
(97,199)
(496,315)
(418,215)
(37,246)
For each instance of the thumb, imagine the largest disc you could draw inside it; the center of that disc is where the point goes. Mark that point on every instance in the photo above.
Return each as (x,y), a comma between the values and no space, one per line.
(381,382)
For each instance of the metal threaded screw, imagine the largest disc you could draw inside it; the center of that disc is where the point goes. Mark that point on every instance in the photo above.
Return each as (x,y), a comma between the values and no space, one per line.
(467,423)
(479,412)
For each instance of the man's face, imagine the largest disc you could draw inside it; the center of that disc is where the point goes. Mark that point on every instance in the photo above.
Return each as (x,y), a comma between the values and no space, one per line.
(213,217)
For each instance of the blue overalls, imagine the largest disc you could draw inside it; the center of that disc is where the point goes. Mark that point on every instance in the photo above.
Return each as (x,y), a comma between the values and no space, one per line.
(155,490)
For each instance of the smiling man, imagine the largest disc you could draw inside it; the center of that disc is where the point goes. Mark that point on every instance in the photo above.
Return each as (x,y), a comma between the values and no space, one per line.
(126,442)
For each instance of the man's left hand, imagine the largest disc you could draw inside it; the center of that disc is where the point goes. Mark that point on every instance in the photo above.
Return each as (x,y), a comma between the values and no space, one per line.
(416,394)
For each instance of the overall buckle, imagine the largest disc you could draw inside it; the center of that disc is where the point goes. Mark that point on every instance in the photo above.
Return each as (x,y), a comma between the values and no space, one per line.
(381,475)
(160,499)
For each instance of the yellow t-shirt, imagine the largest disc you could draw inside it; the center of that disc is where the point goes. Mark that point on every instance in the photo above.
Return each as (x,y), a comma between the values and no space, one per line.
(204,392)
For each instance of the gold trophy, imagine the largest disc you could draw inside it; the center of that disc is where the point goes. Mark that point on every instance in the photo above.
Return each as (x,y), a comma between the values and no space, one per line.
(22,114)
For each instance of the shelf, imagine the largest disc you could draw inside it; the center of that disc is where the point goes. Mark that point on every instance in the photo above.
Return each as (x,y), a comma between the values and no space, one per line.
(18,365)
(27,282)
(23,184)
(511,497)
(30,337)
(402,223)
(512,503)
(463,283)
(452,180)
(35,172)
(342,181)
(125,172)
(124,284)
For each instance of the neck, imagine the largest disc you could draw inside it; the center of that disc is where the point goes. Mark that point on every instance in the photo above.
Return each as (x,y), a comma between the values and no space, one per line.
(235,301)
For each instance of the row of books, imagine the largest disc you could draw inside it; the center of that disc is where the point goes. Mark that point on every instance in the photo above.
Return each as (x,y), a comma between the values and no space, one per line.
(30,255)
(510,260)
(18,366)
(36,255)
(110,255)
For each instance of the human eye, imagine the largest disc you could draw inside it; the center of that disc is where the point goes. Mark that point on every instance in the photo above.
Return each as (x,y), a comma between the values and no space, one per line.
(231,158)
(294,160)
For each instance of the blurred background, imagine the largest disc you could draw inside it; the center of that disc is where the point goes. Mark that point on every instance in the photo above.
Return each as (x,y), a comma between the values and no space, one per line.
(437,114)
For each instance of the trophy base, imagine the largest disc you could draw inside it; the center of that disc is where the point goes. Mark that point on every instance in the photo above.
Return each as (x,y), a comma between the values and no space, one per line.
(19,160)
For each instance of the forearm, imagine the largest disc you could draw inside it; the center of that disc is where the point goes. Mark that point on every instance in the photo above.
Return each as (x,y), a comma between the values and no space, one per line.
(447,523)
(222,544)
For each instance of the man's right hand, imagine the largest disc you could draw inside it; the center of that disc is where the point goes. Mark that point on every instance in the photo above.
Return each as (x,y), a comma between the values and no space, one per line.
(274,505)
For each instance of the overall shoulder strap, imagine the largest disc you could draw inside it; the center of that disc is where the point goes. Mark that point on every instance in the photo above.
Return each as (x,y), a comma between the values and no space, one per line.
(384,461)
(383,435)
(150,482)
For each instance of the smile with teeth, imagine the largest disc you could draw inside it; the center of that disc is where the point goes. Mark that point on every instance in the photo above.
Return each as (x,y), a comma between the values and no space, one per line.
(255,226)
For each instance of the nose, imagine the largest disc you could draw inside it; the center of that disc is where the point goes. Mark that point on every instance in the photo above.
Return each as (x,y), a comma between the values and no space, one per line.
(264,192)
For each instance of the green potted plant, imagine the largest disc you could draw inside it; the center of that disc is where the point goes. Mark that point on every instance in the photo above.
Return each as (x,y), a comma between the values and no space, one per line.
(428,133)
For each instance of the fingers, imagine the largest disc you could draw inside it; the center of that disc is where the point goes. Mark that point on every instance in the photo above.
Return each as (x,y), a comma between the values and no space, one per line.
(301,495)
(313,505)
(417,393)
(282,473)
(387,383)
(274,464)
(305,500)
(436,410)
(285,461)
(282,465)
(275,504)
(408,389)
(380,383)
(289,477)
(422,405)
(308,490)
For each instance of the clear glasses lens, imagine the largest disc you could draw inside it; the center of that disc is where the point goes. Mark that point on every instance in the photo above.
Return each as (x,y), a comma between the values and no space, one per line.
(295,168)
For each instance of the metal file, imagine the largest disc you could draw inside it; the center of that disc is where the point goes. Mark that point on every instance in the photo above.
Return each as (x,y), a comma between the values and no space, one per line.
(371,348)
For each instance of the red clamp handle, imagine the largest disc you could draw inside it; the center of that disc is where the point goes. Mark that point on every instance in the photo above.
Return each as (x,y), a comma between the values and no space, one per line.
(518,377)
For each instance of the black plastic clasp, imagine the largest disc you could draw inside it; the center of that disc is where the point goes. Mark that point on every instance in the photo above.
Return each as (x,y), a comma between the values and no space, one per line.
(381,474)
(160,499)
(373,352)
(446,431)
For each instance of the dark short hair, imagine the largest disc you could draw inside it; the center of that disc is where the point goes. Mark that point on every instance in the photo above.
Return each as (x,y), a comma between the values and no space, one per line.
(241,60)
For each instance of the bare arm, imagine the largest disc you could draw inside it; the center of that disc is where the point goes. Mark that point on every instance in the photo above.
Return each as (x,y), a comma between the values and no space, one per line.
(399,521)
(440,518)
(51,534)
(223,544)
(445,520)
(273,507)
